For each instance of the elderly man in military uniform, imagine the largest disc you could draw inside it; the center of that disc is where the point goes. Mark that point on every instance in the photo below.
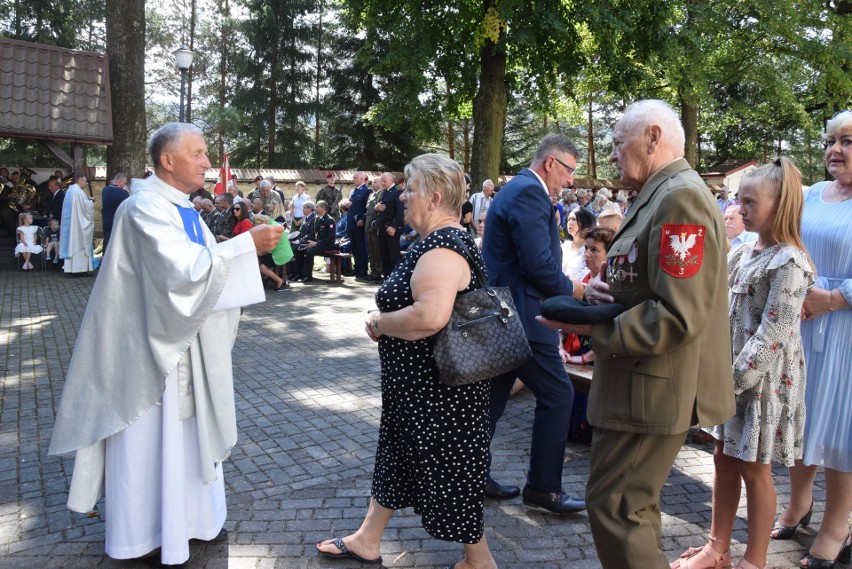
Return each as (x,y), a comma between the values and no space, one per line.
(663,364)
(271,200)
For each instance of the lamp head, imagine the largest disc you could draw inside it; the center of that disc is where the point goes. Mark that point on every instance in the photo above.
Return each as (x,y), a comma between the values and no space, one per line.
(183,57)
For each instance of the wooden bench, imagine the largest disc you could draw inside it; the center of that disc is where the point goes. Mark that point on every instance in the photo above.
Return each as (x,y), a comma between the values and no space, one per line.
(580,376)
(335,265)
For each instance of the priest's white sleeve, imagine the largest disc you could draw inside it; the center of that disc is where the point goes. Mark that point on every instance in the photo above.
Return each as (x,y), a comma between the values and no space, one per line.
(243,285)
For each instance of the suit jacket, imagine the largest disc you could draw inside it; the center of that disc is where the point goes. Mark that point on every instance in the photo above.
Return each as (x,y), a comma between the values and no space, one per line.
(372,214)
(225,223)
(56,205)
(665,363)
(522,251)
(394,210)
(324,233)
(306,230)
(111,198)
(358,209)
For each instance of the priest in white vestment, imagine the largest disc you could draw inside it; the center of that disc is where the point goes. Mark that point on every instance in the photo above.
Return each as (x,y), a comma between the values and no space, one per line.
(148,402)
(77,229)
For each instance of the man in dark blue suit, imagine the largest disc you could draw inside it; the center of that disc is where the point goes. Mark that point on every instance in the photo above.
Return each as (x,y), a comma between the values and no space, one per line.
(112,196)
(57,200)
(522,251)
(390,223)
(356,223)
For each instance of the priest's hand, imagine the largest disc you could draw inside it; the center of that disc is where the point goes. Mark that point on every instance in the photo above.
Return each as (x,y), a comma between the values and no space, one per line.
(266,237)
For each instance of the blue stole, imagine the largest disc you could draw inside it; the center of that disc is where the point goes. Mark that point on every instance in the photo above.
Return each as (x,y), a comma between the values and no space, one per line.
(192,224)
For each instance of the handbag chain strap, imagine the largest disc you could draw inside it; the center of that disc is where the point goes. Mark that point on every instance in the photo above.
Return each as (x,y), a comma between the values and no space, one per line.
(503,312)
(480,275)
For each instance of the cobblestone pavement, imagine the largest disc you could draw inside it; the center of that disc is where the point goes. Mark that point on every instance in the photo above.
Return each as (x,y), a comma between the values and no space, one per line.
(308,405)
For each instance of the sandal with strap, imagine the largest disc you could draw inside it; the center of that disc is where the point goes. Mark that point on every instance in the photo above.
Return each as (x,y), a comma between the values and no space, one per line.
(345,553)
(844,557)
(780,532)
(692,559)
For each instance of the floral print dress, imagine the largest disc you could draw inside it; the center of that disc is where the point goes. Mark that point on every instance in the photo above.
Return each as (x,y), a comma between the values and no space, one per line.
(766,291)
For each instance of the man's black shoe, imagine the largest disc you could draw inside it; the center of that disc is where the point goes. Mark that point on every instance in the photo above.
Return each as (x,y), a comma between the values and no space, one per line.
(559,503)
(497,491)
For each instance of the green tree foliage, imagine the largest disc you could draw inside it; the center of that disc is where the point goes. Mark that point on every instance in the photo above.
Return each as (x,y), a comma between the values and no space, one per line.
(370,83)
(274,90)
(76,24)
(350,139)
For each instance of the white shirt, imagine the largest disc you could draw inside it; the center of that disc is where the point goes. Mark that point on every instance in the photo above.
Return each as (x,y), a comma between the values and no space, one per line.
(298,203)
(480,203)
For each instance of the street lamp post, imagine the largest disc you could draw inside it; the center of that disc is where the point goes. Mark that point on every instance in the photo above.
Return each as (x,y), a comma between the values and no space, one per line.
(183,57)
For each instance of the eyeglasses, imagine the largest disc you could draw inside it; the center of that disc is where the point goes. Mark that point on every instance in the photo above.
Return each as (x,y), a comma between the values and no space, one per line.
(567,167)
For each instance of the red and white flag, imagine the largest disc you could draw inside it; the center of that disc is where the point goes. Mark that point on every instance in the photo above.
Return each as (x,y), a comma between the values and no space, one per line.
(224,177)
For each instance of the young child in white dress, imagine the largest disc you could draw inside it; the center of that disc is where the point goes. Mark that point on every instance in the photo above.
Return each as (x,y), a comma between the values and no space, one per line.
(51,241)
(767,280)
(27,240)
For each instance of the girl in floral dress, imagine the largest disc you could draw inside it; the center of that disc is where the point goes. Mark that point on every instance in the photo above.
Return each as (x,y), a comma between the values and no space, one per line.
(767,279)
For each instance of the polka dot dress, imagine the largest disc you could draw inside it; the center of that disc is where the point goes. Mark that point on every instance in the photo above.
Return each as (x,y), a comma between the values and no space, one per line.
(433,438)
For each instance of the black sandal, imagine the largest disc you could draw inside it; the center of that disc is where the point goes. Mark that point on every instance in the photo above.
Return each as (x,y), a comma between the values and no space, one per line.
(844,557)
(345,553)
(784,532)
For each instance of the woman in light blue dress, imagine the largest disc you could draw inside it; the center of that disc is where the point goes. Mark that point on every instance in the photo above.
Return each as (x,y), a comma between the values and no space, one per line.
(827,338)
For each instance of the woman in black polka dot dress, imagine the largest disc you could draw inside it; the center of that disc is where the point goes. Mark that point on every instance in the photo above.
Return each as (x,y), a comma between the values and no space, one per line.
(433,439)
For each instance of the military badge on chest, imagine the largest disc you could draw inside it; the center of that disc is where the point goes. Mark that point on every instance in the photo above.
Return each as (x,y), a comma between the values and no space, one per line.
(682,249)
(621,267)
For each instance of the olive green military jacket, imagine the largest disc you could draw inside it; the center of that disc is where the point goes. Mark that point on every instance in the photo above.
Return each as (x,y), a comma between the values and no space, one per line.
(665,363)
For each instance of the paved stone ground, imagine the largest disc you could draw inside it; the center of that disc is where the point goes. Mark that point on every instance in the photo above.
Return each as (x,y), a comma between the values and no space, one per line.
(308,406)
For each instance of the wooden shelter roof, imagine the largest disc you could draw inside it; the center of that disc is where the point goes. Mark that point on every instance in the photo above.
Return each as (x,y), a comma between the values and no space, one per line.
(54,93)
(727,168)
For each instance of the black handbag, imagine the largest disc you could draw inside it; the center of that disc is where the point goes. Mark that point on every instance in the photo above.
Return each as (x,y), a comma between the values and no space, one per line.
(484,337)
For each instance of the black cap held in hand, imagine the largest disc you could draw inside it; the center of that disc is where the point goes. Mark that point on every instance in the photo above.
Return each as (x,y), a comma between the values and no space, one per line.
(572,311)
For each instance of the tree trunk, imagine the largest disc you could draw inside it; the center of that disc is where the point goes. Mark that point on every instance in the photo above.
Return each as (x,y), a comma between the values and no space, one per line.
(318,86)
(125,44)
(689,116)
(272,105)
(489,115)
(590,142)
(192,21)
(840,42)
(451,139)
(39,11)
(224,12)
(466,140)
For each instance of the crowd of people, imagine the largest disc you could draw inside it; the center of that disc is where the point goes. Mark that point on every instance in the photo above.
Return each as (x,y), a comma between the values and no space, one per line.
(762,279)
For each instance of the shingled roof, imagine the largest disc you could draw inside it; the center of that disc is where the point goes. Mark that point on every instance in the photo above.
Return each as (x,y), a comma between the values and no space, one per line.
(53,93)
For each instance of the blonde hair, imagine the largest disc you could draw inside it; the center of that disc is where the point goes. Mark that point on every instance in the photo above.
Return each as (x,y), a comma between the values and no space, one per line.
(436,173)
(839,122)
(784,183)
(260,219)
(23,216)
